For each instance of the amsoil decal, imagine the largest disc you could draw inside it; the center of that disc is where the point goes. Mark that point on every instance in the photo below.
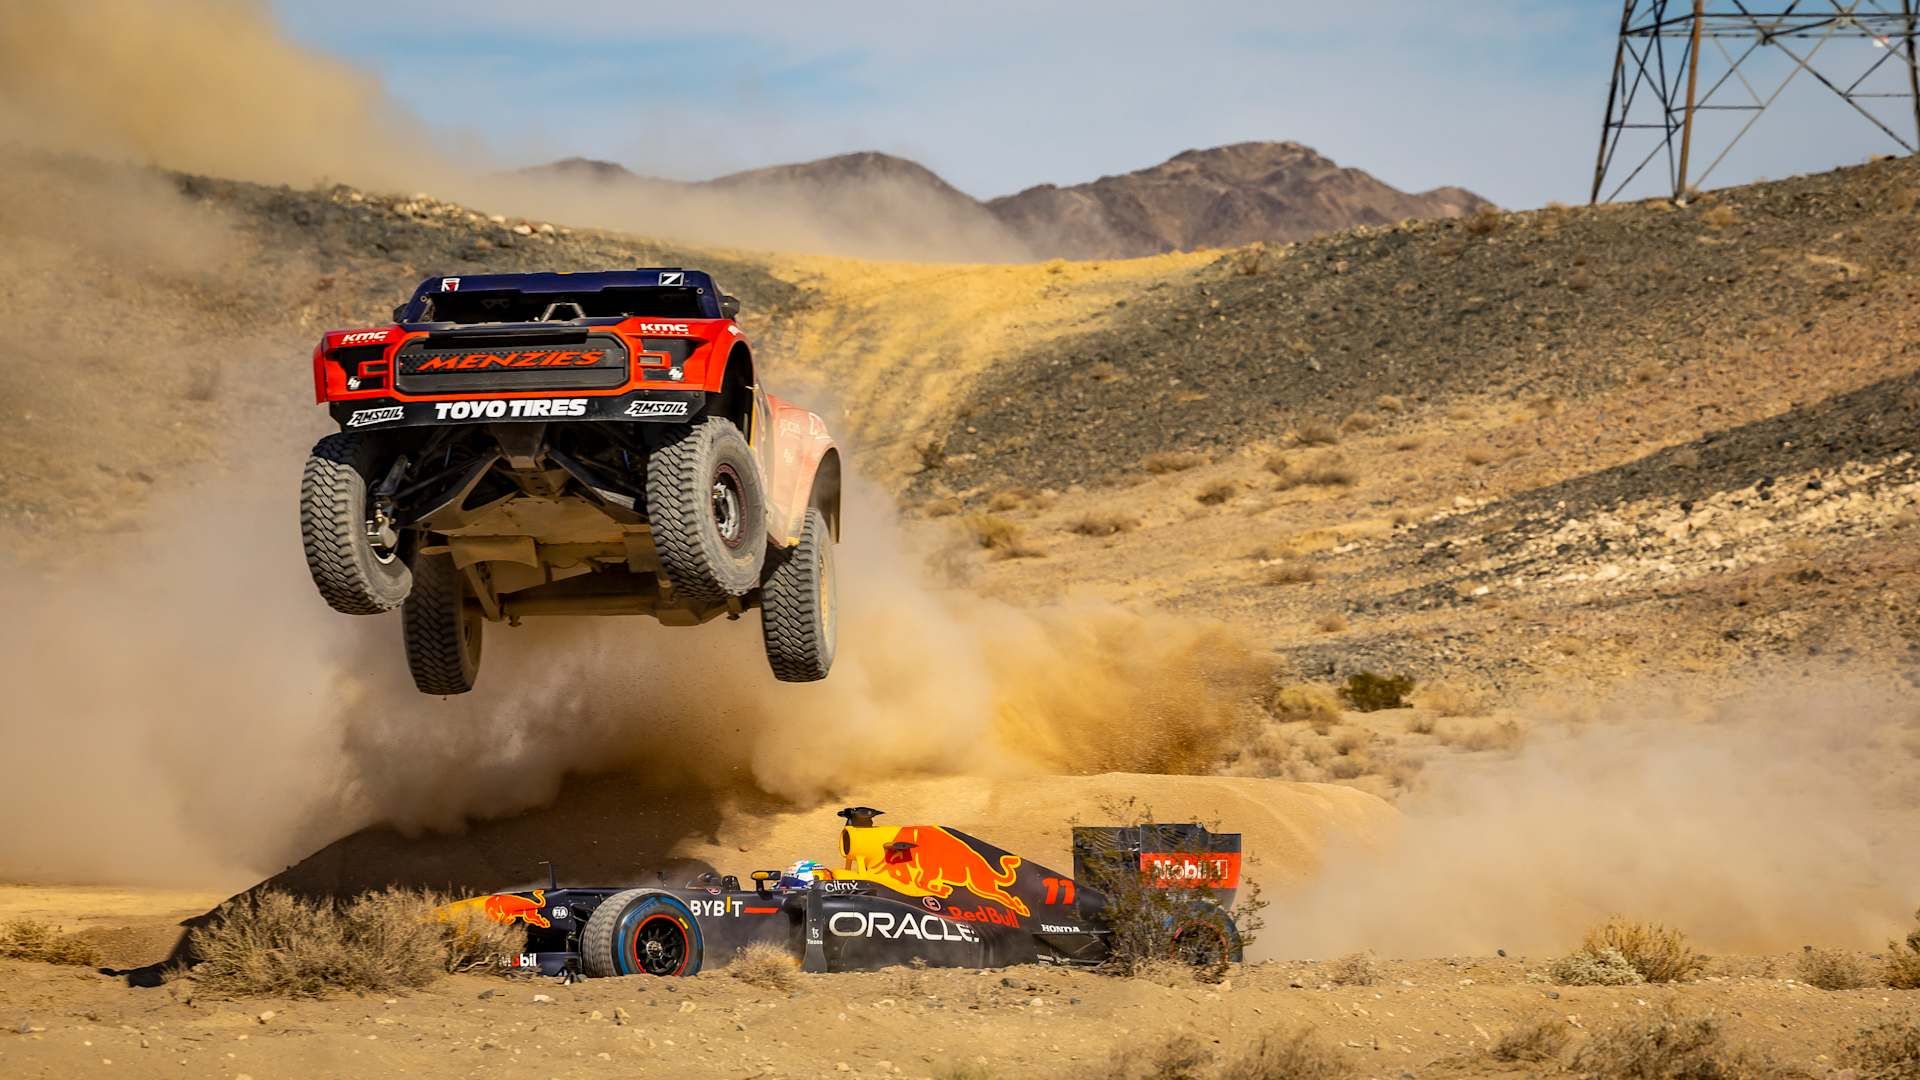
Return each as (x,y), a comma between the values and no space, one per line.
(528,358)
(657,408)
(894,926)
(1183,869)
(363,417)
(518,408)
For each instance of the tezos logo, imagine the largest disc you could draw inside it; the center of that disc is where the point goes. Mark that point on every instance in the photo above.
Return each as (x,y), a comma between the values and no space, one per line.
(664,328)
(362,337)
(517,409)
(363,417)
(657,408)
(893,927)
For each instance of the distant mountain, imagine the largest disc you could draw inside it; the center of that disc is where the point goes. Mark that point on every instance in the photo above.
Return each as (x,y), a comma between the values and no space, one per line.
(880,205)
(1221,197)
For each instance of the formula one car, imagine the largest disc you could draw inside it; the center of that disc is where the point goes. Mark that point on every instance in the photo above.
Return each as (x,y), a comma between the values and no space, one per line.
(917,893)
(553,444)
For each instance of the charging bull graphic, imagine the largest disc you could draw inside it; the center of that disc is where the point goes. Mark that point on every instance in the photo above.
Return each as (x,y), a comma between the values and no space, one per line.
(508,908)
(927,860)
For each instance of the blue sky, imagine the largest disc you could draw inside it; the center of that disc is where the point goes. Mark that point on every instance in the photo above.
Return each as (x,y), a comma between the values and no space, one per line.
(1501,96)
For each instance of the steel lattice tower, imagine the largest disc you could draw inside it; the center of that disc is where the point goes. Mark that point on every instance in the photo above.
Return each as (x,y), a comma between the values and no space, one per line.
(1679,60)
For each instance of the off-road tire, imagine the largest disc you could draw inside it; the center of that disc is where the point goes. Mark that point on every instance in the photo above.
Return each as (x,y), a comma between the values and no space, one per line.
(797,605)
(603,943)
(352,577)
(704,565)
(442,631)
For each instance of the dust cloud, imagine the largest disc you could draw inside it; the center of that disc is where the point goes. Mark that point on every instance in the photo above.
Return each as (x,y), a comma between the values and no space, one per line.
(213,87)
(1763,823)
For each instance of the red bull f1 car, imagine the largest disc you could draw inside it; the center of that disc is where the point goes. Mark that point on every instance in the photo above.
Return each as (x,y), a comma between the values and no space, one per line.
(900,895)
(554,444)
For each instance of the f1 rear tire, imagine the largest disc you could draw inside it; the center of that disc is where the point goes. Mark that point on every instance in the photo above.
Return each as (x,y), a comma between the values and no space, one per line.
(641,932)
(708,512)
(355,573)
(797,605)
(442,631)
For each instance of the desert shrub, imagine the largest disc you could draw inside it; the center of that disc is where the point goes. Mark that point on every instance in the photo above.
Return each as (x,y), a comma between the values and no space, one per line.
(1720,217)
(1316,433)
(478,943)
(941,508)
(1292,572)
(1659,954)
(1580,280)
(1010,499)
(1358,421)
(1886,1051)
(1180,1056)
(1249,261)
(1667,1046)
(1443,700)
(1505,735)
(31,939)
(1485,221)
(1103,523)
(932,455)
(1105,371)
(1833,969)
(1390,403)
(1003,538)
(275,944)
(1421,724)
(767,966)
(1217,492)
(1308,704)
(1903,962)
(1603,967)
(1296,1053)
(1354,969)
(1326,470)
(1368,692)
(1331,624)
(1172,461)
(1152,922)
(1477,457)
(1536,1041)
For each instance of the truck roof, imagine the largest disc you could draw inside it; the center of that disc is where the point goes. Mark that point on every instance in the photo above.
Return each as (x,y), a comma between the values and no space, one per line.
(687,291)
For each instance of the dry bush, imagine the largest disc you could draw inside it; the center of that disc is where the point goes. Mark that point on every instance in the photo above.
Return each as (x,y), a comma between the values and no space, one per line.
(33,940)
(1536,1041)
(1249,261)
(1477,456)
(1103,523)
(1720,217)
(1105,371)
(1316,433)
(1659,954)
(1278,463)
(1505,735)
(1359,421)
(1485,222)
(1886,1051)
(1180,1056)
(1354,969)
(1010,499)
(1903,962)
(1350,740)
(1324,471)
(1295,1053)
(1368,692)
(1579,280)
(1443,700)
(1833,969)
(767,966)
(1331,624)
(1290,573)
(1421,724)
(1172,461)
(1217,492)
(1546,405)
(1304,704)
(477,943)
(1603,967)
(1003,538)
(1152,922)
(274,944)
(1667,1046)
(940,508)
(1389,403)
(932,455)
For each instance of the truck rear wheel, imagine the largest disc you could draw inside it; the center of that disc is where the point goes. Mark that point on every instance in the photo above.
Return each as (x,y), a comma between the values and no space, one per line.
(441,629)
(708,512)
(797,606)
(353,552)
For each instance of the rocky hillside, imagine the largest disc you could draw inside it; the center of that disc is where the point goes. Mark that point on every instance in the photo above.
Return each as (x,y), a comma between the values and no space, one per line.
(1223,197)
(886,205)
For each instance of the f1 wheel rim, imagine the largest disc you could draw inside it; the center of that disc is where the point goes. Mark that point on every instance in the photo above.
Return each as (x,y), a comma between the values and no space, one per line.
(658,946)
(728,505)
(1201,945)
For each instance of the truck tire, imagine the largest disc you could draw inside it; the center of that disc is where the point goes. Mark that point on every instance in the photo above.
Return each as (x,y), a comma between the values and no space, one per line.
(797,605)
(441,629)
(640,932)
(707,512)
(356,573)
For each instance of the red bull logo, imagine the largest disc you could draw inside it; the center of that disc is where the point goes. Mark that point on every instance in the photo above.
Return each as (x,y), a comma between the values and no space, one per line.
(926,860)
(511,908)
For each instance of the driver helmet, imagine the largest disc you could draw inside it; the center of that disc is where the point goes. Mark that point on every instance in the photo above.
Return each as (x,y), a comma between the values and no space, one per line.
(801,874)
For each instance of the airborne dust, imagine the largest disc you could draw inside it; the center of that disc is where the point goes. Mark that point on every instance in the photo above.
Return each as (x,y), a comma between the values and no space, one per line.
(183,709)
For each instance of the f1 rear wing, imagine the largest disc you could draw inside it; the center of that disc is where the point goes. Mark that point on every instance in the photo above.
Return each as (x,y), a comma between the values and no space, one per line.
(1166,856)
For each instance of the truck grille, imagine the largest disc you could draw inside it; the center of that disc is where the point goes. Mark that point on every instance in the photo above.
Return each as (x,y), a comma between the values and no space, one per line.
(470,362)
